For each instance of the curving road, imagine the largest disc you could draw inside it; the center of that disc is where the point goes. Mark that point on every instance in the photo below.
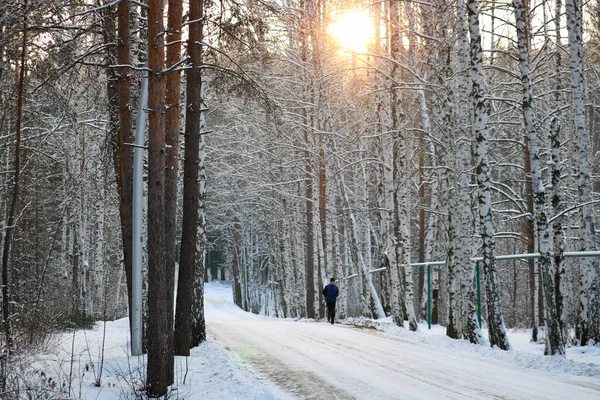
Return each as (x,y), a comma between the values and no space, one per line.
(312,360)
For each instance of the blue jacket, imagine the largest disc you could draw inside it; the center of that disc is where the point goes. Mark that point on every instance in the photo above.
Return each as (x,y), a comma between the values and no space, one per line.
(331,292)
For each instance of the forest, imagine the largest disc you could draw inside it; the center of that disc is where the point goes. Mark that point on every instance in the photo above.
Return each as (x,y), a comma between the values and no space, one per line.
(440,159)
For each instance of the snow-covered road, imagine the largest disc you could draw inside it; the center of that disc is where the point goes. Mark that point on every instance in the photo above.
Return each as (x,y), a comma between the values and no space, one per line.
(315,360)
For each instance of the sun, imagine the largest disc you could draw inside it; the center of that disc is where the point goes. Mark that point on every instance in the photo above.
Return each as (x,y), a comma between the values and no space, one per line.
(352,30)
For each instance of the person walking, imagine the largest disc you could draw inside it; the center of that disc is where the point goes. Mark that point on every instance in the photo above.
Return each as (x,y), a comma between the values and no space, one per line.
(331,292)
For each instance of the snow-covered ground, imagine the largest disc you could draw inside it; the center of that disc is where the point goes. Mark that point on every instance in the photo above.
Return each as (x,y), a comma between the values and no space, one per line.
(253,357)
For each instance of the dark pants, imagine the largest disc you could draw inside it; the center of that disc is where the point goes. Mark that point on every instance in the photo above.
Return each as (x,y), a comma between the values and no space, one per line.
(330,311)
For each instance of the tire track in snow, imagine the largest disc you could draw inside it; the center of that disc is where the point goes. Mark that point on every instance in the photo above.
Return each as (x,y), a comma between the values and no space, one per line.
(300,382)
(368,357)
(319,361)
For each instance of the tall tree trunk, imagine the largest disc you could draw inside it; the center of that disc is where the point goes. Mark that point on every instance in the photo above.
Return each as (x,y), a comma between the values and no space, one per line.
(109,35)
(528,229)
(405,209)
(382,144)
(529,237)
(497,331)
(191,184)
(173,94)
(392,173)
(75,271)
(288,258)
(440,160)
(554,339)
(555,164)
(124,139)
(532,283)
(423,136)
(317,14)
(421,257)
(198,323)
(464,231)
(323,221)
(589,266)
(237,276)
(306,6)
(310,247)
(160,355)
(296,254)
(82,232)
(279,252)
(11,220)
(99,267)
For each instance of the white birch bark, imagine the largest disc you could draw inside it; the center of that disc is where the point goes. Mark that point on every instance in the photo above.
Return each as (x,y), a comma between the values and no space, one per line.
(404,204)
(288,263)
(144,253)
(367,224)
(98,272)
(433,224)
(356,246)
(78,251)
(454,328)
(83,231)
(463,200)
(297,251)
(383,171)
(470,326)
(330,267)
(198,323)
(554,339)
(392,252)
(289,259)
(554,164)
(71,258)
(392,174)
(497,331)
(64,226)
(409,297)
(281,268)
(320,267)
(356,254)
(589,266)
(447,193)
(342,303)
(286,273)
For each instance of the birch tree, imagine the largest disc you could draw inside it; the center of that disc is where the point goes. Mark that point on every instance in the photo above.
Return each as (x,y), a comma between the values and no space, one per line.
(589,266)
(357,256)
(497,331)
(405,211)
(554,164)
(471,329)
(391,170)
(554,342)
(198,322)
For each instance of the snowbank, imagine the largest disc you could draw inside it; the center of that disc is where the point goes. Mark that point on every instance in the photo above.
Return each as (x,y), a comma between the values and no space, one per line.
(74,365)
(579,361)
(211,372)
